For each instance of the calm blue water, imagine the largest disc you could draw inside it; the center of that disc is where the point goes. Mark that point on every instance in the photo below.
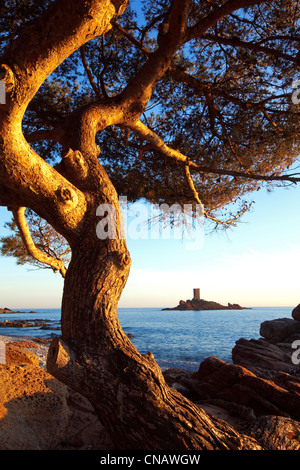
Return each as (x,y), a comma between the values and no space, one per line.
(177,339)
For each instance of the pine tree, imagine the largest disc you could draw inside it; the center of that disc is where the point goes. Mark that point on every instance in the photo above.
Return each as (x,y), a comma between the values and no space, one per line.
(180,101)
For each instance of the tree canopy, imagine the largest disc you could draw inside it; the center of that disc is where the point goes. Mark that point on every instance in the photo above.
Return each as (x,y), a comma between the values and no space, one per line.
(220,121)
(223,108)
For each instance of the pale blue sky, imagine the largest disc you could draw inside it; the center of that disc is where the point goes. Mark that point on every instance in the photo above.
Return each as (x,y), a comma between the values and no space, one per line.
(254,264)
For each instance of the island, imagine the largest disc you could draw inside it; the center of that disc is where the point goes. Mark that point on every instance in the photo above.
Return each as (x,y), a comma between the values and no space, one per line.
(8,310)
(200,304)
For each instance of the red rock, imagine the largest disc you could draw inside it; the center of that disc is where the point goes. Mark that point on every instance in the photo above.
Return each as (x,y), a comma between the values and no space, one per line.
(261,357)
(278,330)
(276,433)
(217,379)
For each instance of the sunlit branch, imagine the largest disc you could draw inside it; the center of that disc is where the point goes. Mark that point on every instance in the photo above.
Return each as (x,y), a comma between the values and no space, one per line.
(295,178)
(159,145)
(190,183)
(45,134)
(204,88)
(56,264)
(214,109)
(208,215)
(274,124)
(279,37)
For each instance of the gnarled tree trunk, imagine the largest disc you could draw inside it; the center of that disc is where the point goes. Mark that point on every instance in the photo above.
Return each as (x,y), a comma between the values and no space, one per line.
(94,355)
(96,358)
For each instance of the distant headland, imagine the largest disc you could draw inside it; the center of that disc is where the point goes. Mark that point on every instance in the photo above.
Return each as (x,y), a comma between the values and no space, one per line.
(200,304)
(8,310)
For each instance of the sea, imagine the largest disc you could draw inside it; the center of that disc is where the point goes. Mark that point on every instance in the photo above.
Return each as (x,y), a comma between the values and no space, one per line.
(180,339)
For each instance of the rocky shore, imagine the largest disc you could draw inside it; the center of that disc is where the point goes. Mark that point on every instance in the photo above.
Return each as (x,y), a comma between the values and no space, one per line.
(30,323)
(258,394)
(37,412)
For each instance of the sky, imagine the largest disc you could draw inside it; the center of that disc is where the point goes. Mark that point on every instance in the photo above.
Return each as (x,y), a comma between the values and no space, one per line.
(254,264)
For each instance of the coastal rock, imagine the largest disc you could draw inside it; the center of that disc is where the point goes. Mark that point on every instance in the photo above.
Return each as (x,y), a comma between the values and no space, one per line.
(37,412)
(176,378)
(280,330)
(5,310)
(262,358)
(276,433)
(296,313)
(259,394)
(33,409)
(8,310)
(32,323)
(234,385)
(16,355)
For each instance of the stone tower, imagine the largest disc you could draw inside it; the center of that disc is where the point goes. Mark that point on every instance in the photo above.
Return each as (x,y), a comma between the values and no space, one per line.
(196,294)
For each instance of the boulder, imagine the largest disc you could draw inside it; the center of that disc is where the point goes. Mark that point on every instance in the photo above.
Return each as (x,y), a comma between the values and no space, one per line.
(265,412)
(176,377)
(276,433)
(296,313)
(279,330)
(37,412)
(262,358)
(232,383)
(32,323)
(15,354)
(33,409)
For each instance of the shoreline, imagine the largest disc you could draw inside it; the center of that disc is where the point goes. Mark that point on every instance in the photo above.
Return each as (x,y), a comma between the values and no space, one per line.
(262,415)
(42,346)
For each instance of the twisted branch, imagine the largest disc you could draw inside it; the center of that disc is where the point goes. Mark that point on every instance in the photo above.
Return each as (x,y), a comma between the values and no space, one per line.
(56,264)
(159,145)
